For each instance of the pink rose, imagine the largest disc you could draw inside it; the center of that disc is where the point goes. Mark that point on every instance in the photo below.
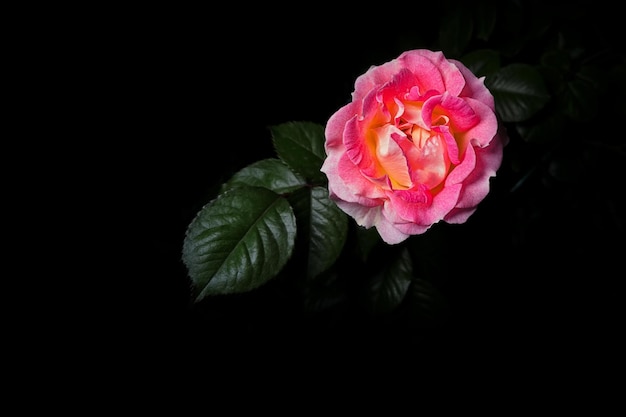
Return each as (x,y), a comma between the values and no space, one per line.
(416,145)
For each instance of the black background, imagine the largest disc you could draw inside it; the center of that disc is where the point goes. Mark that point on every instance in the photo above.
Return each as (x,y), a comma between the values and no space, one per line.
(193,94)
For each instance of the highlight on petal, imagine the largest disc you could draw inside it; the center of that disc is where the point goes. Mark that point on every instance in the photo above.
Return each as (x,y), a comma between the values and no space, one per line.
(391,157)
(429,161)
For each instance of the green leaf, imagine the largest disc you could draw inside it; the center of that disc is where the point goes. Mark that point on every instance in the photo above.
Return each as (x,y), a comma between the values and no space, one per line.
(366,241)
(426,303)
(324,293)
(519,92)
(543,131)
(238,241)
(269,173)
(388,288)
(322,225)
(580,100)
(556,59)
(482,62)
(430,252)
(301,146)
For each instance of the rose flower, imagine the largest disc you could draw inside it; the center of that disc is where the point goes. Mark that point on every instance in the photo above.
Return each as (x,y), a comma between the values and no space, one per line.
(416,145)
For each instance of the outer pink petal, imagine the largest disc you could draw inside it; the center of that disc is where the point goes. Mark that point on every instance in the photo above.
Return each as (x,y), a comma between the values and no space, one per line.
(412,228)
(387,225)
(462,115)
(434,71)
(356,149)
(358,185)
(390,233)
(476,185)
(346,182)
(426,213)
(486,129)
(445,201)
(375,77)
(459,215)
(474,86)
(399,85)
(464,169)
(401,224)
(363,216)
(336,124)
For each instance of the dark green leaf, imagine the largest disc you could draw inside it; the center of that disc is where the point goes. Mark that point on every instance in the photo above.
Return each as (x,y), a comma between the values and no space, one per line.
(322,224)
(366,240)
(388,288)
(548,130)
(580,100)
(430,252)
(329,229)
(519,92)
(556,59)
(324,293)
(301,146)
(482,62)
(427,304)
(554,79)
(270,173)
(238,241)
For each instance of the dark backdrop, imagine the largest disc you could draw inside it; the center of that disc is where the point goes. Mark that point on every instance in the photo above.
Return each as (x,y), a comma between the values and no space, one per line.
(530,270)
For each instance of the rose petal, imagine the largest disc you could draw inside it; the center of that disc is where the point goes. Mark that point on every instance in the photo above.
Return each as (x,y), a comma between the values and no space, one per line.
(460,172)
(363,216)
(434,71)
(336,125)
(476,184)
(428,160)
(347,183)
(474,87)
(391,157)
(374,77)
(487,125)
(408,206)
